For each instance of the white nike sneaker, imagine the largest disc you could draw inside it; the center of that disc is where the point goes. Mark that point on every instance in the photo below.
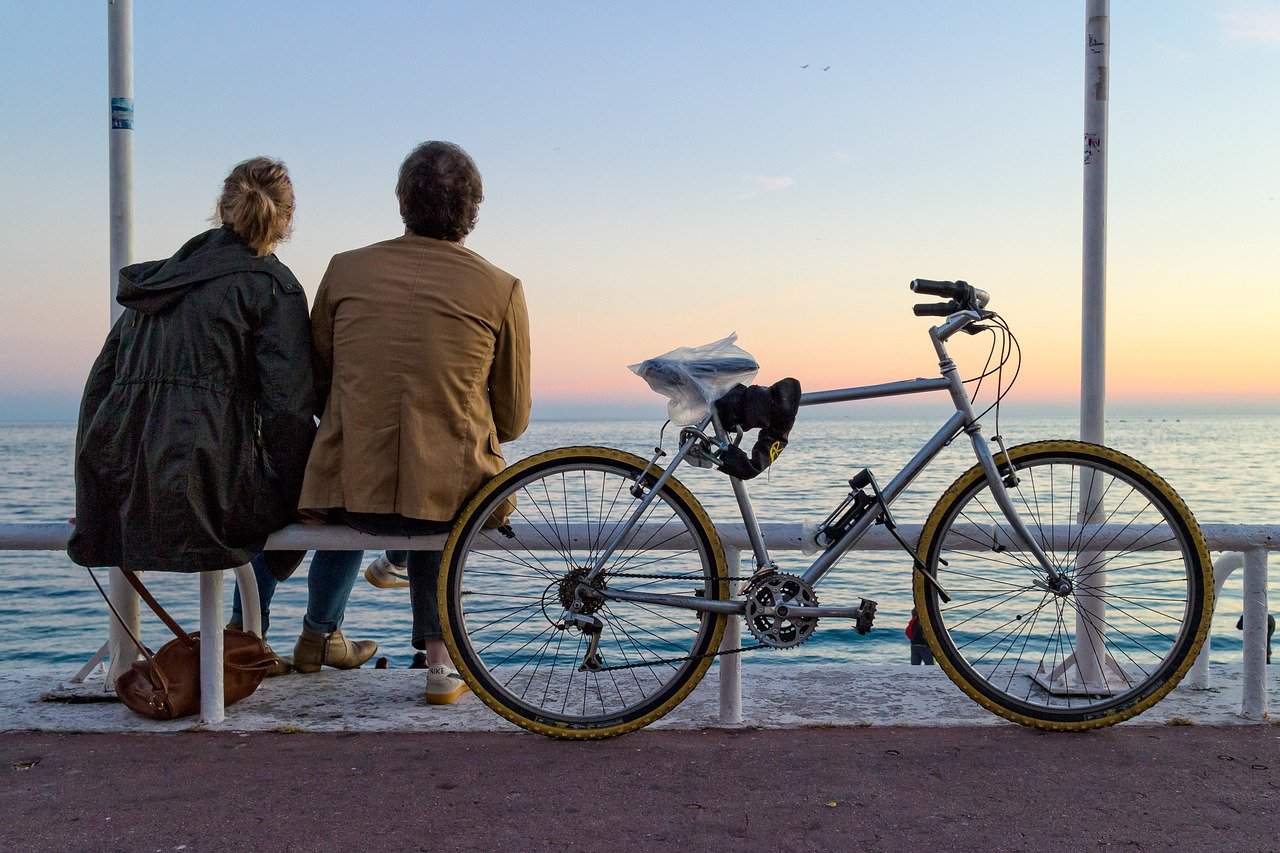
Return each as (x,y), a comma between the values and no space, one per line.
(385,574)
(444,686)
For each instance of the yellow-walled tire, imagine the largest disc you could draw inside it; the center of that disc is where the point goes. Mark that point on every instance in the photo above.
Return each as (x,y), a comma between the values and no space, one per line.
(1198,604)
(540,468)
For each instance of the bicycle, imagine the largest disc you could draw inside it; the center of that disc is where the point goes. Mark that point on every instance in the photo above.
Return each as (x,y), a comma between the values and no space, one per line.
(612,618)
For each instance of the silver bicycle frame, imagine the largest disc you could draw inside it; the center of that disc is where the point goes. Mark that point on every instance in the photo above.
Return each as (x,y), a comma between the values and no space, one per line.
(963,420)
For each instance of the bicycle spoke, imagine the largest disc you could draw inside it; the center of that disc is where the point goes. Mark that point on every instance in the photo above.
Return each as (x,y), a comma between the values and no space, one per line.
(1088,546)
(1022,625)
(541,568)
(1030,630)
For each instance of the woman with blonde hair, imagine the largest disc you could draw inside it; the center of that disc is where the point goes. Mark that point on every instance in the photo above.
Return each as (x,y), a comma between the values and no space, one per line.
(198,414)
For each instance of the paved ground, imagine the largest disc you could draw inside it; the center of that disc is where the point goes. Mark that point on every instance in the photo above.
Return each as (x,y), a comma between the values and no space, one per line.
(866,789)
(370,700)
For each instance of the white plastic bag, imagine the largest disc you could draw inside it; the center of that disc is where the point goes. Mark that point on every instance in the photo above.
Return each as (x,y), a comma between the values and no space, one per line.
(692,378)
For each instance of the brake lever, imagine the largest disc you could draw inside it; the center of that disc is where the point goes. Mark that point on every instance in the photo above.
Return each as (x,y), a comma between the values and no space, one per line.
(976,328)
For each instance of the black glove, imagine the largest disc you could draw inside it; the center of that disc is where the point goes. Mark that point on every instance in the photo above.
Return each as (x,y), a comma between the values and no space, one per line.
(772,410)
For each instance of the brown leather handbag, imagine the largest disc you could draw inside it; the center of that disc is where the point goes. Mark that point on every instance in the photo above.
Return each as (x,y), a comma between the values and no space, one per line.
(166,685)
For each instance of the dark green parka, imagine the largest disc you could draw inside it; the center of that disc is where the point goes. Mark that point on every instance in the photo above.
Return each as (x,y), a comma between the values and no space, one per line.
(198,415)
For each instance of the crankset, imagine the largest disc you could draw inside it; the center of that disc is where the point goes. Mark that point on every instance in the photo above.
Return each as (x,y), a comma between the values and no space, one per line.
(775,610)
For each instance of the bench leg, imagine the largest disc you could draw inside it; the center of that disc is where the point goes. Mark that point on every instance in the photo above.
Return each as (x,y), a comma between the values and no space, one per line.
(122,652)
(98,657)
(212,709)
(250,606)
(1223,567)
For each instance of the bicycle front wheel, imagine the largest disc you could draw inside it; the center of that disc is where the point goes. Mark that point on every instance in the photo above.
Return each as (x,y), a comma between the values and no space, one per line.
(503,599)
(1109,645)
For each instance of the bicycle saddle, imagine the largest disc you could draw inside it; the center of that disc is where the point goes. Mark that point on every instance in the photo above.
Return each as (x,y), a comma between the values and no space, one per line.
(707,369)
(693,378)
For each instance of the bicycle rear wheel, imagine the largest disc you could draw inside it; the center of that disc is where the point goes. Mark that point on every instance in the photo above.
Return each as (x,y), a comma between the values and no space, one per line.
(1123,635)
(502,600)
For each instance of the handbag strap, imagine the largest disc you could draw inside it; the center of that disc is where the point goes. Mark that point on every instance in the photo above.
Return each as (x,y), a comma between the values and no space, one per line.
(146,596)
(123,624)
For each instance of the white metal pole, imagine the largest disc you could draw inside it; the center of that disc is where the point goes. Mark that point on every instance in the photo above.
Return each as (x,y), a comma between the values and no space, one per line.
(1093,350)
(1253,704)
(212,698)
(1093,339)
(120,135)
(120,92)
(1223,567)
(731,665)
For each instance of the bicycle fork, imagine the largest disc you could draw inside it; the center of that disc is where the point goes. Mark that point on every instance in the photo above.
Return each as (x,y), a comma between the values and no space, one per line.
(1055,581)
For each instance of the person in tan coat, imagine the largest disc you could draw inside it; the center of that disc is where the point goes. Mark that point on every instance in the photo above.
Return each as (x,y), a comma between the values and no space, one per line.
(422,360)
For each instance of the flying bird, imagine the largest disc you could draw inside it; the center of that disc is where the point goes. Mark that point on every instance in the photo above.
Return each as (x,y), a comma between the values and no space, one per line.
(804,66)
(828,68)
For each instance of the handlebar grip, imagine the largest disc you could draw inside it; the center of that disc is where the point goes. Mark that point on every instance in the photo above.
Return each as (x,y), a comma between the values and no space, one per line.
(950,289)
(935,309)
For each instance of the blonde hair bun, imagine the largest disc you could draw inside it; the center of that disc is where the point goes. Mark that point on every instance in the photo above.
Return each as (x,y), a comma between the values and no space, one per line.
(257,203)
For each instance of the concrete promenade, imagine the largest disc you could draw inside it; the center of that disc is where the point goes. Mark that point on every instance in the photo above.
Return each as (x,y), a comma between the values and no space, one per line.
(874,758)
(369,700)
(873,789)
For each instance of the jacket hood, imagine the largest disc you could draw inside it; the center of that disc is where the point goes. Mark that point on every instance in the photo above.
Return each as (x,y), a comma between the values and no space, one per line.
(152,287)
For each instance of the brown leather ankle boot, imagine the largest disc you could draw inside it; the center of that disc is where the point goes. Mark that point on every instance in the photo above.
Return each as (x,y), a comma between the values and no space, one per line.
(314,650)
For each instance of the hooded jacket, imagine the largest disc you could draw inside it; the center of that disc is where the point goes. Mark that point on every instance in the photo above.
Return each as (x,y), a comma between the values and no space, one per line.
(198,414)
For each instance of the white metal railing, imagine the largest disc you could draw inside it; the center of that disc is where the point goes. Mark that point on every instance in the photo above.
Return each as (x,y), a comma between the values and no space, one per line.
(1246,546)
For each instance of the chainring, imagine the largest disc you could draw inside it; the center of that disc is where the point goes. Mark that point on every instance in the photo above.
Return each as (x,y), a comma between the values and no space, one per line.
(765,593)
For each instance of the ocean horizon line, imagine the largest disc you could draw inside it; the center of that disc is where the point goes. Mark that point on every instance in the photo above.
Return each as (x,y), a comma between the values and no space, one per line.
(869,414)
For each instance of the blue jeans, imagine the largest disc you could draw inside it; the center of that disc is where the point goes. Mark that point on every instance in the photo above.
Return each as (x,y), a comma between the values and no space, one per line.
(424,571)
(329,582)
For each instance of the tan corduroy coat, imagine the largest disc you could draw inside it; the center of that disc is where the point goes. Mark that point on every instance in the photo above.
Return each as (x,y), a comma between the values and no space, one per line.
(424,347)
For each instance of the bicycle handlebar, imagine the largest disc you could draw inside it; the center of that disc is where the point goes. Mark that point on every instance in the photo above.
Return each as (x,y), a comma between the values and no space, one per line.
(936,309)
(962,295)
(949,289)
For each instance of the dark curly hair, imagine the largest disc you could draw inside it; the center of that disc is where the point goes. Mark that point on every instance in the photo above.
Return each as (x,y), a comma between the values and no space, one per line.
(439,191)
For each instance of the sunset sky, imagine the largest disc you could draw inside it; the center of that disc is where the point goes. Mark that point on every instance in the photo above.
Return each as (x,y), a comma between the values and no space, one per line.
(661,174)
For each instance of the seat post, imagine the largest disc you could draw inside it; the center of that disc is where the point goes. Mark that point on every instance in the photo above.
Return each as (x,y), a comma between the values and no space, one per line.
(763,561)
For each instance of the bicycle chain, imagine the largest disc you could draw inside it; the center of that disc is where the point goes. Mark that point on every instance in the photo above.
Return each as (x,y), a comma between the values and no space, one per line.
(661,661)
(736,651)
(675,577)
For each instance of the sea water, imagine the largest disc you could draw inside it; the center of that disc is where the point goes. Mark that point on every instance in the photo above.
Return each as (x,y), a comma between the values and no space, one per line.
(1223,466)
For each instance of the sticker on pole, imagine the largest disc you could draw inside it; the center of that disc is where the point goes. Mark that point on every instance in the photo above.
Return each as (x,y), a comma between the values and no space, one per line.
(122,113)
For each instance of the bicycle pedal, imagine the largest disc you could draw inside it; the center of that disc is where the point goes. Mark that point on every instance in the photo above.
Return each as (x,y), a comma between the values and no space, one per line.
(866,616)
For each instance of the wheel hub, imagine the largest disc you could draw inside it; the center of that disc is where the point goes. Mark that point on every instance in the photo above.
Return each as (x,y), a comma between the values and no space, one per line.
(1061,586)
(567,591)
